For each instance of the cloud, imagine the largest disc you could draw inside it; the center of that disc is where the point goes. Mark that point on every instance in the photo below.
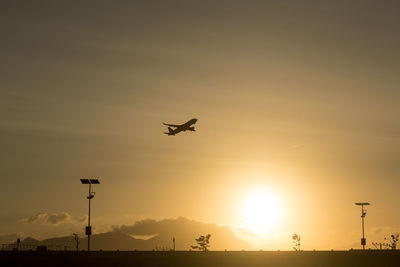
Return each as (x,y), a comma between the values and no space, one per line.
(182,225)
(184,230)
(243,231)
(58,218)
(142,227)
(298,145)
(152,227)
(48,219)
(82,219)
(45,218)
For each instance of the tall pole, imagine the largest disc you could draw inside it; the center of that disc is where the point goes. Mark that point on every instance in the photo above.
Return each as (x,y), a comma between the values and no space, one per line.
(363,213)
(362,219)
(88,233)
(88,229)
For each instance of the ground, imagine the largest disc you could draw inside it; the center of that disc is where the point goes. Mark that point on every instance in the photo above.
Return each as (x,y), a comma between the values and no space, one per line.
(211,258)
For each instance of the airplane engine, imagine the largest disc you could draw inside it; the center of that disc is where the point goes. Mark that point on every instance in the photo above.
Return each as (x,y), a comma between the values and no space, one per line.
(192,129)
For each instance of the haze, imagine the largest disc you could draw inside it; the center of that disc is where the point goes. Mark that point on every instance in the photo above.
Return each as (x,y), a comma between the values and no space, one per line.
(299,99)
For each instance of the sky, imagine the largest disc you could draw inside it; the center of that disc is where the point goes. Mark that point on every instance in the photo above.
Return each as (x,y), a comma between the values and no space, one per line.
(294,99)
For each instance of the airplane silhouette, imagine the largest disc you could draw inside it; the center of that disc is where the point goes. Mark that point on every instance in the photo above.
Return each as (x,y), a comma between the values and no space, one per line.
(187,126)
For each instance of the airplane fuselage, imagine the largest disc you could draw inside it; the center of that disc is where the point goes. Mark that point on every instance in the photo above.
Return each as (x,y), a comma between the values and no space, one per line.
(187,126)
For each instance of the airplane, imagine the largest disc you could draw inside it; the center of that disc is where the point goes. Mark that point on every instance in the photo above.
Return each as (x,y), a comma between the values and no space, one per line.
(187,126)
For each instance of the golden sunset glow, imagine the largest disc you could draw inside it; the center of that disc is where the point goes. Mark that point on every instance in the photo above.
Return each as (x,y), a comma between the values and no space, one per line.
(293,109)
(261,211)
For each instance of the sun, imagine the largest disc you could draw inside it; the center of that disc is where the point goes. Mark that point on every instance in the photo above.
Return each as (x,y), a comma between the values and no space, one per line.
(261,211)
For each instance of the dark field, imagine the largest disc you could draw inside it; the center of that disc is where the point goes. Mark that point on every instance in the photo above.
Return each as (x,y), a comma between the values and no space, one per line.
(212,258)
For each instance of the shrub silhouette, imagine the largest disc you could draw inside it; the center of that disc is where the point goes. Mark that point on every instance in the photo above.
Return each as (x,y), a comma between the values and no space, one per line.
(296,242)
(203,242)
(393,240)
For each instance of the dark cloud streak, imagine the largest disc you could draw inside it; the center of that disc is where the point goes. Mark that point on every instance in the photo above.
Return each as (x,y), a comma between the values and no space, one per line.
(45,218)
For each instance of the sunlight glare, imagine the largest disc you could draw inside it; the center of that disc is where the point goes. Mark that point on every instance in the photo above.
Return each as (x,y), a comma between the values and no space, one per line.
(261,211)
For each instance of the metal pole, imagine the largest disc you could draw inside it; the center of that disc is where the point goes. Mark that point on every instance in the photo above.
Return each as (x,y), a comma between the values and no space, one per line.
(362,218)
(88,229)
(363,213)
(88,240)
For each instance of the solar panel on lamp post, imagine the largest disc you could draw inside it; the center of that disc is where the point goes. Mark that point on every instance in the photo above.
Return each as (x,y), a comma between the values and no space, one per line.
(88,229)
(363,213)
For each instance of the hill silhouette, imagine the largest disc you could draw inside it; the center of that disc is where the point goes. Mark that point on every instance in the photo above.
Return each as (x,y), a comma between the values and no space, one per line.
(159,233)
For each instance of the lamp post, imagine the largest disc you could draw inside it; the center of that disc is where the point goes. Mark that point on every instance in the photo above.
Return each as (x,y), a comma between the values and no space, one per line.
(88,229)
(363,213)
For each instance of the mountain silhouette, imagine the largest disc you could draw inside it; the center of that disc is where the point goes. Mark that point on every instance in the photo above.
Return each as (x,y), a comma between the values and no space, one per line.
(161,234)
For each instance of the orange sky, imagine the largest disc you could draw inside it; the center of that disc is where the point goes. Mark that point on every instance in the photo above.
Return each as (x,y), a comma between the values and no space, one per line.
(299,98)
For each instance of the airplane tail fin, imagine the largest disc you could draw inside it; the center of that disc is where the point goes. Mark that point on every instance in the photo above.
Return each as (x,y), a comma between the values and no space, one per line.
(170,131)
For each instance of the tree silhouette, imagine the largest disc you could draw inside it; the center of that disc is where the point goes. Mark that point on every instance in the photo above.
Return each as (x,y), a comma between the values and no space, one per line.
(296,242)
(393,240)
(203,242)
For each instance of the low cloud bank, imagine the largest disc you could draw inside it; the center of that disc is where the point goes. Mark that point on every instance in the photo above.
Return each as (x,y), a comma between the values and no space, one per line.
(45,218)
(184,231)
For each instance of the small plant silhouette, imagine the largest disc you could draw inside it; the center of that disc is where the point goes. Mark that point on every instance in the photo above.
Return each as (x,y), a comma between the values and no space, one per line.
(378,245)
(296,241)
(203,242)
(393,240)
(76,238)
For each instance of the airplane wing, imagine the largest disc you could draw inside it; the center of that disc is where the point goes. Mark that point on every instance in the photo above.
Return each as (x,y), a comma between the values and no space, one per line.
(171,125)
